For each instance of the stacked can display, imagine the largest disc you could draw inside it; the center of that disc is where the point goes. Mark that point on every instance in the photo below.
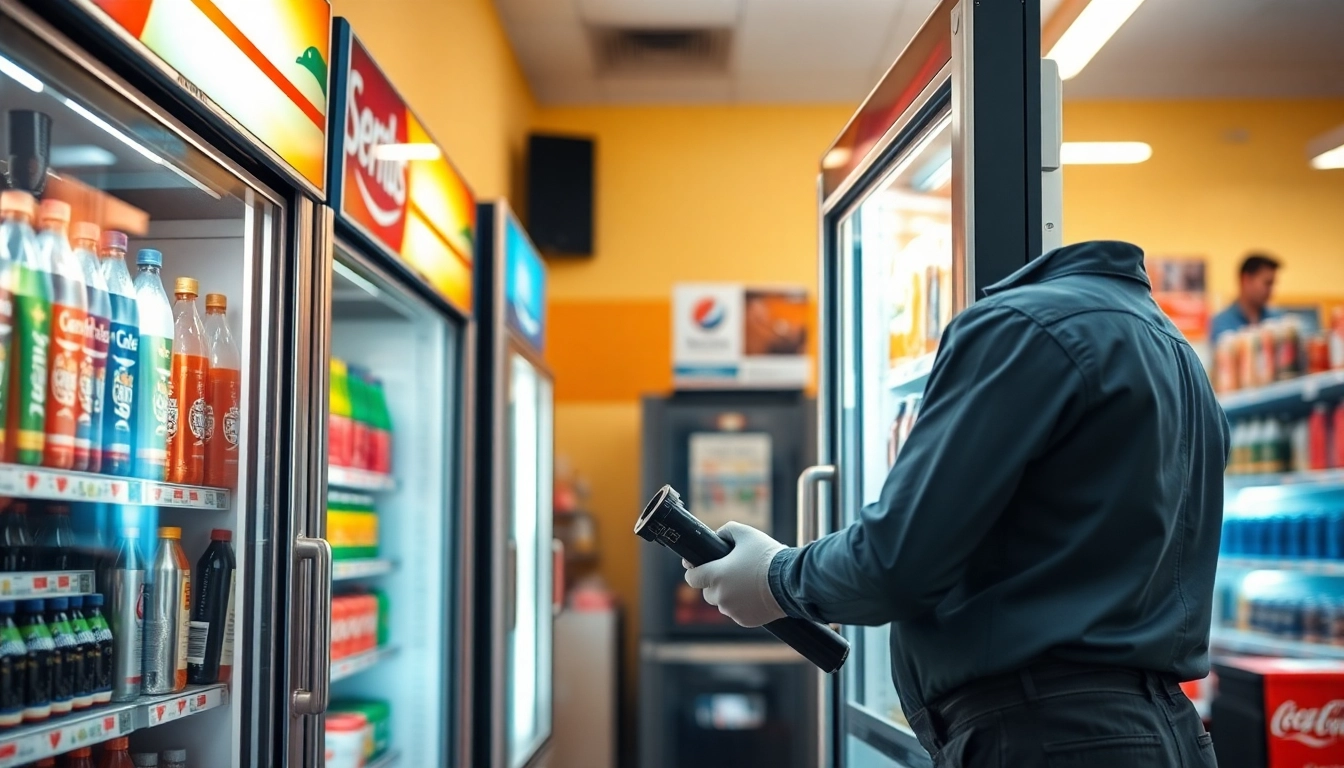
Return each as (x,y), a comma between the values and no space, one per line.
(97,371)
(358,623)
(360,426)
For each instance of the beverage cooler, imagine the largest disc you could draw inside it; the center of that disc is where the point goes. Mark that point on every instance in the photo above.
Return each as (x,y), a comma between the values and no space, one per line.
(160,467)
(943,183)
(517,592)
(397,509)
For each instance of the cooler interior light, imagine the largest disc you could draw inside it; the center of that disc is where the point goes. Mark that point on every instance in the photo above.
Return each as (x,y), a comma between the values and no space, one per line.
(1104,152)
(21,75)
(1327,151)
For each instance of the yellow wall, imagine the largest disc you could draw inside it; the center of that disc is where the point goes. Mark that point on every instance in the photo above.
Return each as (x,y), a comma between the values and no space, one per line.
(453,63)
(1225,177)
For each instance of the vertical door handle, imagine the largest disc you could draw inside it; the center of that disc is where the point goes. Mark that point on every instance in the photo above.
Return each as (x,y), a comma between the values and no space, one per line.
(557,577)
(511,584)
(809,522)
(317,612)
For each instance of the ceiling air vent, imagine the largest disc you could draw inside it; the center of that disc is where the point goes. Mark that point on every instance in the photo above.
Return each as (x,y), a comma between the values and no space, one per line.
(661,51)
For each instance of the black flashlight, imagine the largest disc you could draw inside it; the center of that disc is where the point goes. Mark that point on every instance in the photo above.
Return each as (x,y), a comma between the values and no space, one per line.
(666,521)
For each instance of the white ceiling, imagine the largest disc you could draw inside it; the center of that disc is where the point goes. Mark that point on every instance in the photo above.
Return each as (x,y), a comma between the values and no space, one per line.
(812,51)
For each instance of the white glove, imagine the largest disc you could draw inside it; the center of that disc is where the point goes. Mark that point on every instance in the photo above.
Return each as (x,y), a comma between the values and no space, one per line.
(739,584)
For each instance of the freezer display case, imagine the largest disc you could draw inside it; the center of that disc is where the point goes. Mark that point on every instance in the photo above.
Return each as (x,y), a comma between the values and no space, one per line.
(516,595)
(940,185)
(157,369)
(397,511)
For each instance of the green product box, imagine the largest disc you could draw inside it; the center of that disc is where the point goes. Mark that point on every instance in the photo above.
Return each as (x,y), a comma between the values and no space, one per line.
(379,715)
(384,607)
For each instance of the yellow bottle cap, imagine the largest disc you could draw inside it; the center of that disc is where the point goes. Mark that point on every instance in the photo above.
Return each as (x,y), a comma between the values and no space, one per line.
(170,532)
(187,285)
(216,301)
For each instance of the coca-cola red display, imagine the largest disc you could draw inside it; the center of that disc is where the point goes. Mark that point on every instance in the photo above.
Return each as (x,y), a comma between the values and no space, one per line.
(1279,713)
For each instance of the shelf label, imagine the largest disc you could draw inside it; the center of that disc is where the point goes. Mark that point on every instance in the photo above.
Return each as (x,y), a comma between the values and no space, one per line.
(182,706)
(57,740)
(23,585)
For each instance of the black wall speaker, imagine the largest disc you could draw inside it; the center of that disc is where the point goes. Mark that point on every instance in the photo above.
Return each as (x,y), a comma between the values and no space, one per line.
(560,194)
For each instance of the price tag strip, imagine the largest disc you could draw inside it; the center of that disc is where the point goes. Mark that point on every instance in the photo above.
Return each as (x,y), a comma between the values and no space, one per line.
(342,570)
(353,665)
(359,480)
(20,586)
(62,485)
(28,743)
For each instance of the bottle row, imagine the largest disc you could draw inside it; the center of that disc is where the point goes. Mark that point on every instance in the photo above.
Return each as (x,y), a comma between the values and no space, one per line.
(1313,536)
(99,372)
(1276,350)
(1270,445)
(115,754)
(360,425)
(358,623)
(1311,619)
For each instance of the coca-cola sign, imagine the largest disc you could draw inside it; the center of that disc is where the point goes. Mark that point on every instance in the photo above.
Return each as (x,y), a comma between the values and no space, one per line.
(396,184)
(1317,727)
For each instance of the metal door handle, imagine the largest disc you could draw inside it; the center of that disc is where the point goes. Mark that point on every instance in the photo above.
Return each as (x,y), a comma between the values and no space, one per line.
(808,482)
(314,699)
(558,575)
(511,584)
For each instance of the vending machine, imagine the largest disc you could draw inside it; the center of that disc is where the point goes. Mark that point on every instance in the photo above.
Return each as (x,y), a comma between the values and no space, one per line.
(944,182)
(182,146)
(398,337)
(516,591)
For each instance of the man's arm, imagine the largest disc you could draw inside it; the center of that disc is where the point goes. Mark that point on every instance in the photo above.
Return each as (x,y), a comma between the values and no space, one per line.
(1002,389)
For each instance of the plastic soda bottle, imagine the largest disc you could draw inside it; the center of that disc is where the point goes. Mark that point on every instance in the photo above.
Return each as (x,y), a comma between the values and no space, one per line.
(97,337)
(106,649)
(213,591)
(30,283)
(56,546)
(340,426)
(221,450)
(80,758)
(123,356)
(117,754)
(87,681)
(65,358)
(41,661)
(167,614)
(69,657)
(13,667)
(155,369)
(188,414)
(380,431)
(16,238)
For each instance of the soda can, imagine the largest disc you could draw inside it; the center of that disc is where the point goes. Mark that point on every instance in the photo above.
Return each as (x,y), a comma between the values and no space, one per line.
(1315,621)
(1276,534)
(1318,531)
(1337,624)
(1334,536)
(1292,618)
(1295,536)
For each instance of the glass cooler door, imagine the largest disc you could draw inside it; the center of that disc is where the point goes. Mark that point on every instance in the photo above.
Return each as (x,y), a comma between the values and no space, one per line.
(896,262)
(528,612)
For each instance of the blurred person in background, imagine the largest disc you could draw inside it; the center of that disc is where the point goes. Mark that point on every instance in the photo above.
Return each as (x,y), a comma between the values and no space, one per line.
(1254,291)
(1044,546)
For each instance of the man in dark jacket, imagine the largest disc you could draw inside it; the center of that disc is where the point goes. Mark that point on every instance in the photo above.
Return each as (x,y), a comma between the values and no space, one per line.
(1045,544)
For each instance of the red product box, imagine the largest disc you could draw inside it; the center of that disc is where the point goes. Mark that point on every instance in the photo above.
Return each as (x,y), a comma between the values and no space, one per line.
(1279,713)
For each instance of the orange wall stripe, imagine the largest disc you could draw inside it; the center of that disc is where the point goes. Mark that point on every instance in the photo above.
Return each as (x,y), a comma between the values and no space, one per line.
(235,34)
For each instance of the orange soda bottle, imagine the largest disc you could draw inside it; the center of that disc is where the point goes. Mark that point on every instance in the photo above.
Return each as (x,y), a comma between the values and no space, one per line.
(222,396)
(188,412)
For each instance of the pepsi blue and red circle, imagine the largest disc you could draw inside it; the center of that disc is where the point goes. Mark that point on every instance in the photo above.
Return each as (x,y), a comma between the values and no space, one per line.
(708,313)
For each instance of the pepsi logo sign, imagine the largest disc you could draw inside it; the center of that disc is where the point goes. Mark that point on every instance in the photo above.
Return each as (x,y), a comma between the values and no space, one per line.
(708,313)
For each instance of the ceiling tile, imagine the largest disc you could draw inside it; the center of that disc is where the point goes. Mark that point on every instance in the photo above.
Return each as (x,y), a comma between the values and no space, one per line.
(537,10)
(552,47)
(575,91)
(660,13)
(818,88)
(811,36)
(678,90)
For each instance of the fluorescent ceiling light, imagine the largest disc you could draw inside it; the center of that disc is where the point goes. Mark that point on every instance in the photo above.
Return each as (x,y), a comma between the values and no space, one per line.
(140,149)
(404,152)
(1327,151)
(18,73)
(1088,33)
(1104,152)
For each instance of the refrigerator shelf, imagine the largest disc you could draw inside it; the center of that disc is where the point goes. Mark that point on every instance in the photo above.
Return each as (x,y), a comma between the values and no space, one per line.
(31,584)
(386,760)
(28,743)
(360,662)
(1242,641)
(343,570)
(1281,394)
(359,480)
(1317,567)
(67,485)
(910,376)
(1319,478)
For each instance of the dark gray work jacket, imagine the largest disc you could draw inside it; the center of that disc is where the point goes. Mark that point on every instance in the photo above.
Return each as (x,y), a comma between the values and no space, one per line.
(1060,496)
